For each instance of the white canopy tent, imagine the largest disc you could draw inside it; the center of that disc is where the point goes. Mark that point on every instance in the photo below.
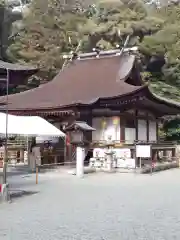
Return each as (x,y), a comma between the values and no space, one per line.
(27,126)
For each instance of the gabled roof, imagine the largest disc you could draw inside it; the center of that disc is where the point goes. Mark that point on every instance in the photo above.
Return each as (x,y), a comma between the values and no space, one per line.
(83,81)
(81,126)
(18,74)
(15,67)
(86,80)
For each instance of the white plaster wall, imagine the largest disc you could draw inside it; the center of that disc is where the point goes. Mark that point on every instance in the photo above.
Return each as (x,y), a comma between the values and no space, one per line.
(110,129)
(130,135)
(152,131)
(142,130)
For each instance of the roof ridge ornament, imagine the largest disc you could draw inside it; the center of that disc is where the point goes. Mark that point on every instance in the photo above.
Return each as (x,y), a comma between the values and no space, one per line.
(72,56)
(97,52)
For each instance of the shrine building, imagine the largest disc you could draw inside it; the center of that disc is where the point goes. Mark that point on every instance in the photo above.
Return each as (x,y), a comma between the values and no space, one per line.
(103,89)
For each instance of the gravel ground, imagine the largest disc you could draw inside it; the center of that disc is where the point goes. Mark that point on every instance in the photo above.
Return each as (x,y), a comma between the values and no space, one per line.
(98,207)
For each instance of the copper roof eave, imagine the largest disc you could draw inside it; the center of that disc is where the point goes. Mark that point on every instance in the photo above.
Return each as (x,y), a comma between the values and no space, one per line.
(70,107)
(66,108)
(139,90)
(161,100)
(16,67)
(55,112)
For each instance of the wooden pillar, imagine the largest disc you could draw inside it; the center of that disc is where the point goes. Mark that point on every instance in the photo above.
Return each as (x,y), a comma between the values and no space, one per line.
(173,154)
(157,131)
(87,117)
(22,155)
(147,127)
(165,155)
(154,155)
(122,129)
(89,121)
(136,124)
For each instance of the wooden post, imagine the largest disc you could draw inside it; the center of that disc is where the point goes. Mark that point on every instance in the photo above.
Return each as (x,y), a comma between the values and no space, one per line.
(147,127)
(173,154)
(36,174)
(157,131)
(136,119)
(122,129)
(21,155)
(140,162)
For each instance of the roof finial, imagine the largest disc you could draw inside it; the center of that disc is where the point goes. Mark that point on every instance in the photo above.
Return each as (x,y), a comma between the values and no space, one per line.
(74,56)
(97,50)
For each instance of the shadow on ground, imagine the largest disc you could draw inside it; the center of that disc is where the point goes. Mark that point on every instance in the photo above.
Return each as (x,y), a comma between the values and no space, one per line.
(21,193)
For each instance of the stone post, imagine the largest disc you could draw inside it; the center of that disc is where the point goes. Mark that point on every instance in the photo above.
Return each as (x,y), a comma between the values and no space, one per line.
(109,161)
(80,155)
(4,191)
(178,155)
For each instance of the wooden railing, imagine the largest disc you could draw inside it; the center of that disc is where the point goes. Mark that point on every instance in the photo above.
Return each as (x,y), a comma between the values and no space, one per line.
(126,142)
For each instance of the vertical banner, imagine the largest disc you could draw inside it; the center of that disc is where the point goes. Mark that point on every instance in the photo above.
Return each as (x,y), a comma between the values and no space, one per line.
(103,127)
(116,122)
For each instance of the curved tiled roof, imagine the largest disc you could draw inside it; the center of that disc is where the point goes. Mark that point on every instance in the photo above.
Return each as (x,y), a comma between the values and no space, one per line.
(18,74)
(15,67)
(83,81)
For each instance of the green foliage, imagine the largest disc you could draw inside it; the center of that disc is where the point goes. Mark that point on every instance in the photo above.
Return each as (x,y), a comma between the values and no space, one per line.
(50,29)
(7,18)
(166,42)
(172,130)
(114,20)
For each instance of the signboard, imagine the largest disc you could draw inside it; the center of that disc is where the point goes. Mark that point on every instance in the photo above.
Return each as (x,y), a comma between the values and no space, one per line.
(126,163)
(122,158)
(122,153)
(143,151)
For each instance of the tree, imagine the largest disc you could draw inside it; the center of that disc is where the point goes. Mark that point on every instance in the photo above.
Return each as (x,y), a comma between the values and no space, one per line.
(114,20)
(165,44)
(171,128)
(7,17)
(50,29)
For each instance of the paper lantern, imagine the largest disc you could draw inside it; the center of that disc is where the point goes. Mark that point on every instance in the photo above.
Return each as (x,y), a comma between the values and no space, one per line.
(104,123)
(115,120)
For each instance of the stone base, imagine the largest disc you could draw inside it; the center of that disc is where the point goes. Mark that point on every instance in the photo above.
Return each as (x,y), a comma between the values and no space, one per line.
(87,170)
(109,170)
(4,195)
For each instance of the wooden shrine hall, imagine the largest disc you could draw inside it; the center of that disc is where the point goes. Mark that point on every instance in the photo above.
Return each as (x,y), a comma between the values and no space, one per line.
(105,90)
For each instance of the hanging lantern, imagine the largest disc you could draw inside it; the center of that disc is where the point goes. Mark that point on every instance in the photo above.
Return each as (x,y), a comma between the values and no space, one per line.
(115,120)
(104,123)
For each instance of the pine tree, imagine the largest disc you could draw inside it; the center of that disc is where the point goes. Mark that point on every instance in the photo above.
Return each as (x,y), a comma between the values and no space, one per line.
(50,29)
(114,20)
(7,17)
(165,43)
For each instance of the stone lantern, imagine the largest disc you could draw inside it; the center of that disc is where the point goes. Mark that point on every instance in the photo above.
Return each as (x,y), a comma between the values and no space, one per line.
(109,154)
(77,132)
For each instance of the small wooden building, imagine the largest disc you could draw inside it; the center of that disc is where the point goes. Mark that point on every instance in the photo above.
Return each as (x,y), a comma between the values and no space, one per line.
(103,89)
